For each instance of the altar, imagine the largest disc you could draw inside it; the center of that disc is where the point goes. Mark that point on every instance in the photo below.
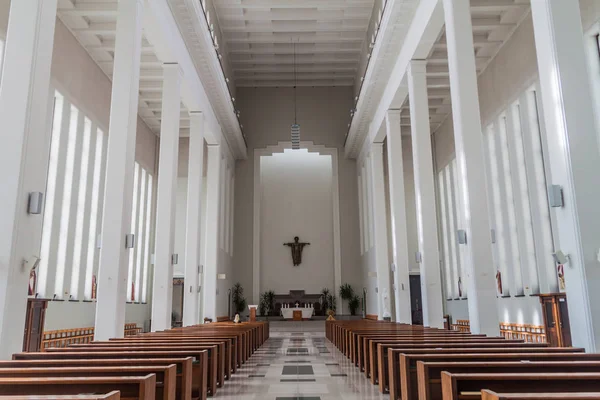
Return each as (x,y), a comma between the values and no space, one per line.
(288,313)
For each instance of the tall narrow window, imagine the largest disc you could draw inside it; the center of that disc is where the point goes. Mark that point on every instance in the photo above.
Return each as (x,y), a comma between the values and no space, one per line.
(140,243)
(81,214)
(130,289)
(445,244)
(497,202)
(93,230)
(542,207)
(451,188)
(59,103)
(513,235)
(146,278)
(65,215)
(529,258)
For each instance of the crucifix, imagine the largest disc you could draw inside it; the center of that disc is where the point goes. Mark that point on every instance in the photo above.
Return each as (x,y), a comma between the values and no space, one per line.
(296,247)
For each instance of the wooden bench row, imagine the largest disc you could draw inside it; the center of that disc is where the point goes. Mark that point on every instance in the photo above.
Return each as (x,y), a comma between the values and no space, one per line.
(66,337)
(527,332)
(178,364)
(415,362)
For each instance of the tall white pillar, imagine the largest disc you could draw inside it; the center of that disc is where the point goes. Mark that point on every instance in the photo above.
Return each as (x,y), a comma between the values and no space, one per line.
(118,193)
(431,281)
(162,297)
(193,257)
(24,114)
(213,200)
(398,217)
(380,229)
(574,158)
(472,199)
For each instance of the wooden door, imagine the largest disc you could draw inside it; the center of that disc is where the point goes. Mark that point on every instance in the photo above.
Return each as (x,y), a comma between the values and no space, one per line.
(34,324)
(564,323)
(552,331)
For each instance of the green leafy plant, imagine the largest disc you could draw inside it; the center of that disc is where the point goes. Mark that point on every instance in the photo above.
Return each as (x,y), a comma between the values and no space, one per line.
(267,303)
(270,301)
(354,304)
(346,293)
(237,296)
(325,294)
(262,305)
(332,302)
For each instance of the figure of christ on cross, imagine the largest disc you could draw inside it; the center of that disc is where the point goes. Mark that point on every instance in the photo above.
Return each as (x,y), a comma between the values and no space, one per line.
(297,248)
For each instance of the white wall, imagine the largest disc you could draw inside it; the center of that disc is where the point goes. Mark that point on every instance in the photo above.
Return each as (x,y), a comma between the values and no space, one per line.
(296,200)
(80,314)
(323,115)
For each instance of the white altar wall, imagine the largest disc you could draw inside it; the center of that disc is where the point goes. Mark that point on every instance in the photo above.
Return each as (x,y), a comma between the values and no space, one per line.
(296,200)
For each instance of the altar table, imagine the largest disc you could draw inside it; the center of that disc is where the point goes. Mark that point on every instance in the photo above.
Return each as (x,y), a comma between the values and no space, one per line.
(288,313)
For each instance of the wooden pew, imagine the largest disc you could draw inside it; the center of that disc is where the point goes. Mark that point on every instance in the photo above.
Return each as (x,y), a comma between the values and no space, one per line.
(200,382)
(234,348)
(452,346)
(183,368)
(469,386)
(407,385)
(489,395)
(165,375)
(400,377)
(215,361)
(133,387)
(223,352)
(429,373)
(114,395)
(364,347)
(376,354)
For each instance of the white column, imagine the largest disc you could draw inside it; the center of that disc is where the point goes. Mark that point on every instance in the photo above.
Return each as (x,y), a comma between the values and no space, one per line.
(431,281)
(213,199)
(118,194)
(24,113)
(575,160)
(162,297)
(380,231)
(468,138)
(191,300)
(398,217)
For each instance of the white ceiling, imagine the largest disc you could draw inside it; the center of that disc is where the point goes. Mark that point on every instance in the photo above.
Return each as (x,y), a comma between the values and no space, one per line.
(259,37)
(494,22)
(94,24)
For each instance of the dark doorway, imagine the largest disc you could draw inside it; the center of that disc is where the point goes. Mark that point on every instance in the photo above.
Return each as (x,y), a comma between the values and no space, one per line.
(416,303)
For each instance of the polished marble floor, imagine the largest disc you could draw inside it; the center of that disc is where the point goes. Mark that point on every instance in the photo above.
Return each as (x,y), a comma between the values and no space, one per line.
(298,362)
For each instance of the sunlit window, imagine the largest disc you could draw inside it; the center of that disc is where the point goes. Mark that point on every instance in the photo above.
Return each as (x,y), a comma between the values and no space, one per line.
(65,211)
(134,215)
(59,109)
(145,279)
(445,234)
(93,230)
(81,215)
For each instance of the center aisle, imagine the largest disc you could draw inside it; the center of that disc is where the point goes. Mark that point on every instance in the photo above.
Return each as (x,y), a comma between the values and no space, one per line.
(298,362)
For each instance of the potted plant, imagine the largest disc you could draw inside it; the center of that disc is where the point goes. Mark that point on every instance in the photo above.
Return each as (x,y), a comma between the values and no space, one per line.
(237,296)
(353,304)
(270,298)
(262,305)
(325,294)
(346,293)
